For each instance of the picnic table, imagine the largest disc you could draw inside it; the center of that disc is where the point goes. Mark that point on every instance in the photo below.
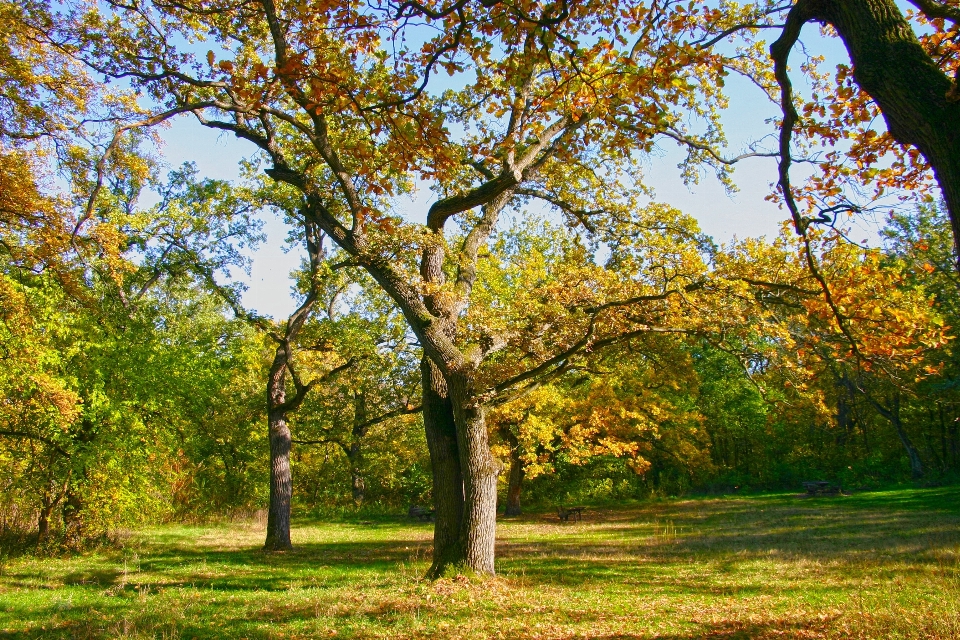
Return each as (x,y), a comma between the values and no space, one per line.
(421,513)
(565,513)
(820,487)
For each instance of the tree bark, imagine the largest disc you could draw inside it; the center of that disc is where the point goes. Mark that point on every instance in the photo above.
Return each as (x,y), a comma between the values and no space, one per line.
(281,479)
(357,484)
(515,483)
(919,102)
(441,433)
(480,470)
(73,519)
(43,522)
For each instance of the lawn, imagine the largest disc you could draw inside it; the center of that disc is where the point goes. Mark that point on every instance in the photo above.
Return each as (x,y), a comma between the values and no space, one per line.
(873,565)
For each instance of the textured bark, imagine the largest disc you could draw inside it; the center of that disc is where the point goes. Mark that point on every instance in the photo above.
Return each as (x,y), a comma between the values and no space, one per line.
(918,100)
(480,471)
(281,480)
(441,433)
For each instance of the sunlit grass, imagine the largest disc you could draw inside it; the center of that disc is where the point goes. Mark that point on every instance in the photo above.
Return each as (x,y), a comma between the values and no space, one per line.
(878,565)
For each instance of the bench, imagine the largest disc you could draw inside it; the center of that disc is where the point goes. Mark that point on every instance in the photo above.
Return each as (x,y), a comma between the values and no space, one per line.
(820,488)
(565,513)
(422,514)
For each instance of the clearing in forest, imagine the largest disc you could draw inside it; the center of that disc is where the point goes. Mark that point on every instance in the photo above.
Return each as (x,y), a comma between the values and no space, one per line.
(872,565)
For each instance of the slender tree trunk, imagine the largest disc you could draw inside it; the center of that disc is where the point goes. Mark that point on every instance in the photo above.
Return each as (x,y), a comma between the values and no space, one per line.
(919,102)
(844,421)
(515,478)
(441,432)
(480,470)
(49,502)
(954,442)
(892,414)
(916,466)
(515,483)
(281,480)
(358,485)
(943,438)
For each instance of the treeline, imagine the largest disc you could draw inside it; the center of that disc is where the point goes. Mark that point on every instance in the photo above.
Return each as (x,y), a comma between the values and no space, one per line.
(143,400)
(542,330)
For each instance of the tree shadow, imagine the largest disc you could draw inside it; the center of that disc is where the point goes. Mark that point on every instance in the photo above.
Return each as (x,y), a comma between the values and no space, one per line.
(721,535)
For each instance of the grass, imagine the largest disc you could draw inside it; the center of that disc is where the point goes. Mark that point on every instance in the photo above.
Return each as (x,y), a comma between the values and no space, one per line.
(877,565)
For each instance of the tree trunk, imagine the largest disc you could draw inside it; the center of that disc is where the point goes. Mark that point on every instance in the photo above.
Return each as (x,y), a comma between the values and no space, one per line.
(49,502)
(441,433)
(73,519)
(357,484)
(514,484)
(919,102)
(281,480)
(844,418)
(354,453)
(480,470)
(43,522)
(916,466)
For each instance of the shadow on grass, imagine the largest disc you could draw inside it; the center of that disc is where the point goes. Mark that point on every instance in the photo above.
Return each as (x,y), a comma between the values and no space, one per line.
(245,569)
(672,549)
(881,530)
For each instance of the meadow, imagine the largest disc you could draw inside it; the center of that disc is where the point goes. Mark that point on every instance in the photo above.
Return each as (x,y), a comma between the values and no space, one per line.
(872,565)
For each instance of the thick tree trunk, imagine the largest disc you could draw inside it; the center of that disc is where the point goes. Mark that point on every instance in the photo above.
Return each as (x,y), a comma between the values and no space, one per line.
(480,470)
(43,522)
(919,102)
(281,480)
(357,484)
(441,432)
(515,483)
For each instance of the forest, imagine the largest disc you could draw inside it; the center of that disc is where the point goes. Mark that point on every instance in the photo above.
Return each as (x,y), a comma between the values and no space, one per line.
(496,319)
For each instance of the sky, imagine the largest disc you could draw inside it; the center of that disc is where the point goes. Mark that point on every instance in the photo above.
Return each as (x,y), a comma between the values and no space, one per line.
(722,216)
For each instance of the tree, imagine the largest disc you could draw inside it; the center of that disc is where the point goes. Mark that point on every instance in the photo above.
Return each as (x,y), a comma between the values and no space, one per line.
(561,97)
(378,389)
(857,321)
(905,75)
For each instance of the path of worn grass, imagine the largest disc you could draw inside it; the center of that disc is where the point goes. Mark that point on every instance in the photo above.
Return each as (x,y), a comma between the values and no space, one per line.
(879,565)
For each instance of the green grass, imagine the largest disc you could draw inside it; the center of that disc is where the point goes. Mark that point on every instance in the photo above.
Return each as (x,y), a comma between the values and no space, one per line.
(877,565)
